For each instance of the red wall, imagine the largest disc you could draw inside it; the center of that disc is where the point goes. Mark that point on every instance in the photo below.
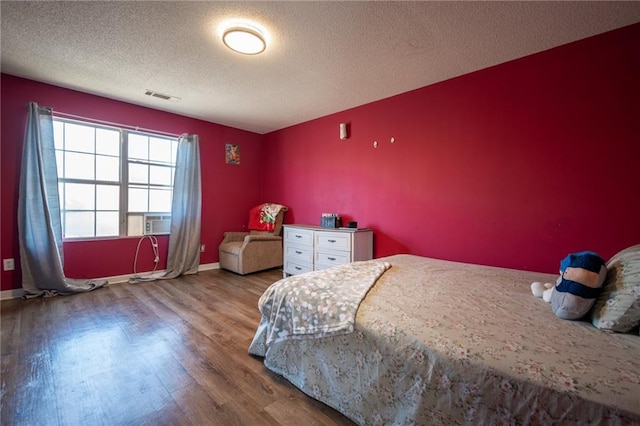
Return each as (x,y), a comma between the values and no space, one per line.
(516,165)
(228,191)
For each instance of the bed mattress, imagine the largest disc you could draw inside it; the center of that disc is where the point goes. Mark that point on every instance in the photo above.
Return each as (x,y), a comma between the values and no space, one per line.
(438,342)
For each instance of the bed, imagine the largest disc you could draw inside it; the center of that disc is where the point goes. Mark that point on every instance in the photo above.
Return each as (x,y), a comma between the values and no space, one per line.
(439,342)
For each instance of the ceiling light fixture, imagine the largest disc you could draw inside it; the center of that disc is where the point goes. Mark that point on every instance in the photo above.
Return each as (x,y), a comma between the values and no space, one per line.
(245,39)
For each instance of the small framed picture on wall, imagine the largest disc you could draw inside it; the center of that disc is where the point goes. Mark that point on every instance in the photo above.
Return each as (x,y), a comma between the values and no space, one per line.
(232,154)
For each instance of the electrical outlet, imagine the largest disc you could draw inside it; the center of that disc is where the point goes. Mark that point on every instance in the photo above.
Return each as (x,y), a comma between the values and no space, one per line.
(202,247)
(8,264)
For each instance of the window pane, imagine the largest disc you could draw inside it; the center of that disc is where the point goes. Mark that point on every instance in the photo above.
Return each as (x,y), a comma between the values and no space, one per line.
(138,146)
(108,142)
(160,175)
(79,138)
(107,224)
(78,166)
(58,134)
(160,150)
(107,168)
(79,196)
(107,197)
(174,151)
(138,173)
(78,224)
(60,163)
(138,200)
(159,200)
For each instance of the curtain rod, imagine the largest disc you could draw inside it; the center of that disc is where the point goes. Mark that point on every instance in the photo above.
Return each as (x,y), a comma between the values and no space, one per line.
(110,123)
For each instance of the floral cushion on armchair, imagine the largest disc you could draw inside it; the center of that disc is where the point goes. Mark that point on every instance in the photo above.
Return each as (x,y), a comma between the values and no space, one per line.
(263,217)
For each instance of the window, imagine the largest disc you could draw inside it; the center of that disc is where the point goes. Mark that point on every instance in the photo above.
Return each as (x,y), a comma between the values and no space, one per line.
(113,182)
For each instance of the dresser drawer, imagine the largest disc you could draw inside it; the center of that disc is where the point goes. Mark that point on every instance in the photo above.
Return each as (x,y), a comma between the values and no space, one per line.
(295,268)
(333,240)
(298,236)
(331,258)
(311,248)
(298,253)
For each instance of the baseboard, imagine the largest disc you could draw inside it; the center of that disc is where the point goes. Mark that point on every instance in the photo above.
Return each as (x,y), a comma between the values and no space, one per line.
(209,266)
(16,293)
(116,279)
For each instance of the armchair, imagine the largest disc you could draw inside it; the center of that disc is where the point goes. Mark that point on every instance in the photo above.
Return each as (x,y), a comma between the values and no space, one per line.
(258,249)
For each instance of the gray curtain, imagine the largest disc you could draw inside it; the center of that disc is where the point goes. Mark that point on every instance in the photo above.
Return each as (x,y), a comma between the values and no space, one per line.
(39,225)
(184,238)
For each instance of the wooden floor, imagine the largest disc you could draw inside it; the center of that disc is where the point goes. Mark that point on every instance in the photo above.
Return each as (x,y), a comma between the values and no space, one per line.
(166,352)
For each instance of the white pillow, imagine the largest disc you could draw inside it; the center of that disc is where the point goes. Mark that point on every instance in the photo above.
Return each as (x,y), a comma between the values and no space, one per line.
(617,309)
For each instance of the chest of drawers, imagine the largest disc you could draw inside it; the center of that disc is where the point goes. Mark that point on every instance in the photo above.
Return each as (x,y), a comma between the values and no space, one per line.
(311,248)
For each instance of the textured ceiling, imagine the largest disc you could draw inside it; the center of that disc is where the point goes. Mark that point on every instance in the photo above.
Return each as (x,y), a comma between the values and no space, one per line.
(324,57)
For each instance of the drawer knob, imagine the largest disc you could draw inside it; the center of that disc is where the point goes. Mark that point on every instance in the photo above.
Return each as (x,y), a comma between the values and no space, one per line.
(331,258)
(298,252)
(332,241)
(298,268)
(298,236)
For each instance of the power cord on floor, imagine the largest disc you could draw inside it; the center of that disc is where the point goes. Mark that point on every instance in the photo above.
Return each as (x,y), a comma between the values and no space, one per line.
(156,258)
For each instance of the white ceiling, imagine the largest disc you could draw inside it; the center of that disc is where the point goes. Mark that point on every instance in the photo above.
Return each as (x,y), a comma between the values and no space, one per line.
(323,57)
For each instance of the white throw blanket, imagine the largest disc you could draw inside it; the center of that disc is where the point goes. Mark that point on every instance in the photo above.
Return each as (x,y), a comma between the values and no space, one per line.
(317,304)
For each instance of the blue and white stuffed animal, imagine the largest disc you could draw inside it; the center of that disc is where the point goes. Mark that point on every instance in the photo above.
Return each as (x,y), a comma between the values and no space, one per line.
(542,290)
(579,284)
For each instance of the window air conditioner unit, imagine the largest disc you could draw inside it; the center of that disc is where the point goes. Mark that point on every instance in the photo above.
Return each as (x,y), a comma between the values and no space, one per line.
(156,224)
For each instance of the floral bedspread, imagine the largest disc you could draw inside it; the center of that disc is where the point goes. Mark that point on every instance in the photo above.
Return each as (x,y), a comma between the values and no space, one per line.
(317,304)
(445,343)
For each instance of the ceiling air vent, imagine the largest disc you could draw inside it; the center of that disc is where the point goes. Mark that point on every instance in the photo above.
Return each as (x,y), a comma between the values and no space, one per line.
(161,96)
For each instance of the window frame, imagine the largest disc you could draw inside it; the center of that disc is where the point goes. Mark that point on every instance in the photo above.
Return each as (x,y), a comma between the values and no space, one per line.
(123,182)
